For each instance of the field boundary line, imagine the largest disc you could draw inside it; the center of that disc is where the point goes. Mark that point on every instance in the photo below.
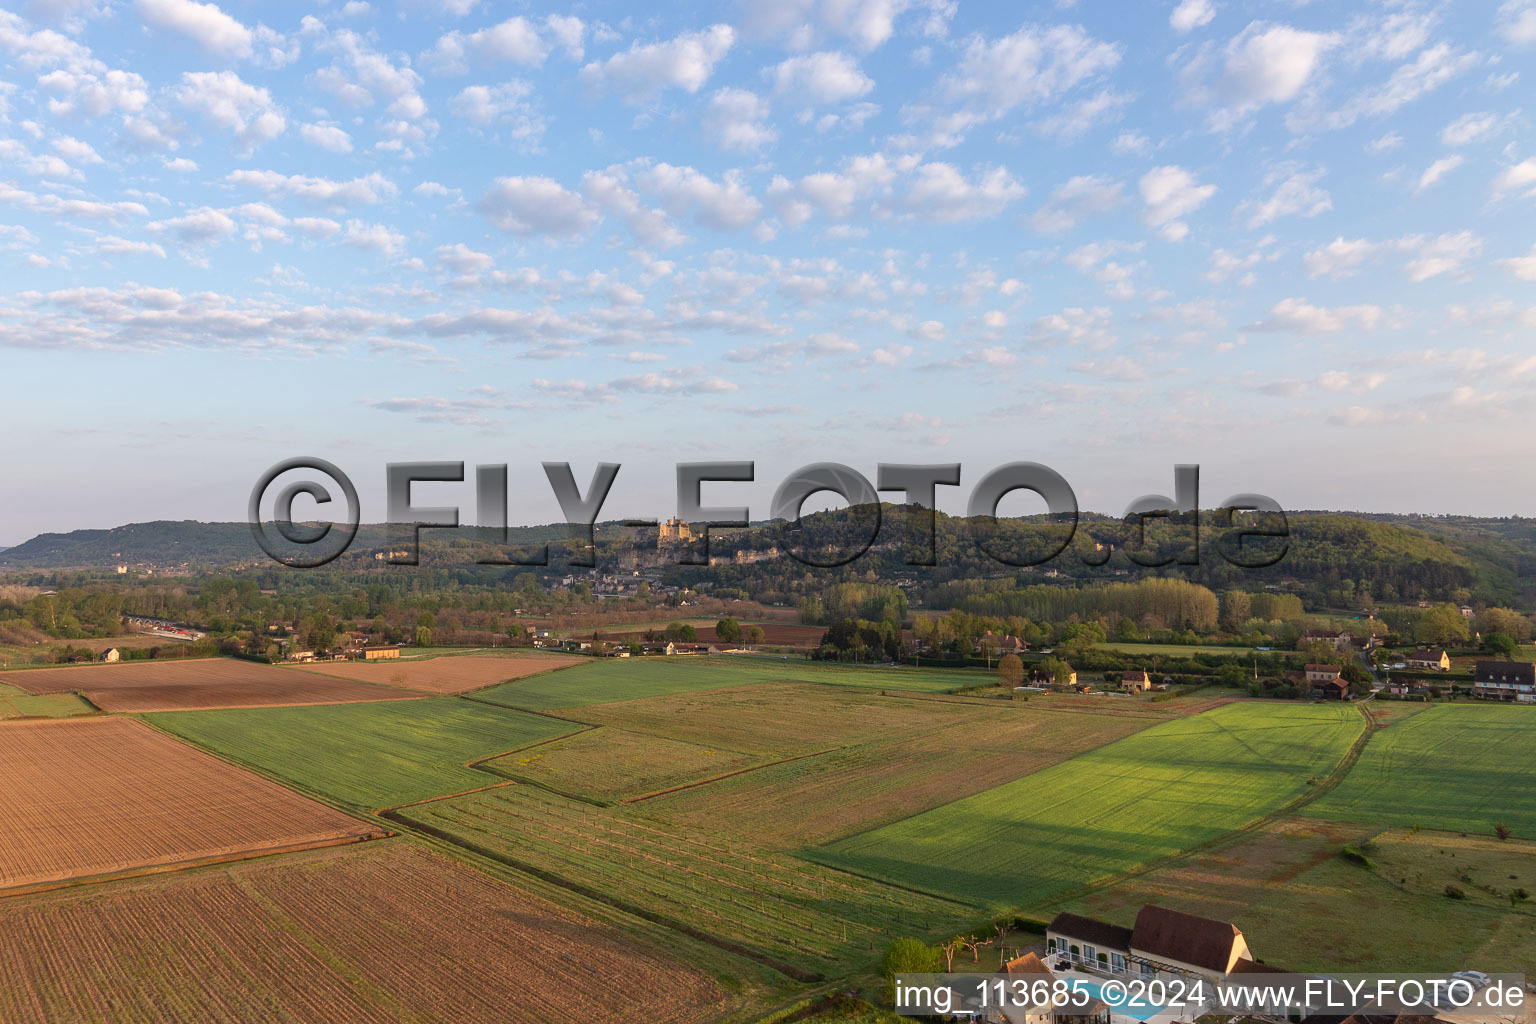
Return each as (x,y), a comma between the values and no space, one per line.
(1286,810)
(211,860)
(787,969)
(731,774)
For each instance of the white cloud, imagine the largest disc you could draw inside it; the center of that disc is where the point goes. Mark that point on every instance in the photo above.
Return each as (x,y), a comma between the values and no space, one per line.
(1191,14)
(867,24)
(1168,194)
(1075,200)
(1443,254)
(996,76)
(942,193)
(537,206)
(735,120)
(198,228)
(1433,67)
(336,195)
(1295,192)
(376,237)
(725,204)
(1517,21)
(1263,64)
(833,194)
(360,77)
(181,165)
(818,78)
(111,245)
(222,99)
(1469,128)
(609,190)
(505,105)
(1339,258)
(515,40)
(209,26)
(645,70)
(1385,143)
(1300,317)
(1131,144)
(1439,169)
(76,151)
(1520,176)
(327,136)
(1523,267)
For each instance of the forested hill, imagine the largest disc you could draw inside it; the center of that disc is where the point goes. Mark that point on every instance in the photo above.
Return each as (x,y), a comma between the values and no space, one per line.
(1390,557)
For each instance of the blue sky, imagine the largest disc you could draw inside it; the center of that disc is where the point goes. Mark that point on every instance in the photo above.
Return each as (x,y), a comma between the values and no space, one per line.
(1290,241)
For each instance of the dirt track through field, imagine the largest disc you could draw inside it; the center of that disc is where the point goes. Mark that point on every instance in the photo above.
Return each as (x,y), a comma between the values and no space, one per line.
(98,796)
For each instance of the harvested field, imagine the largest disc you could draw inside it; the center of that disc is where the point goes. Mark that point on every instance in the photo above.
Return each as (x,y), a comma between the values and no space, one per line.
(385,932)
(99,796)
(445,674)
(1123,805)
(774,907)
(16,703)
(200,684)
(370,755)
(616,764)
(784,719)
(822,798)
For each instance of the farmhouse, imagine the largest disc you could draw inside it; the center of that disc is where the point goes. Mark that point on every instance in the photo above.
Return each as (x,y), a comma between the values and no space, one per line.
(1326,683)
(1164,943)
(111,654)
(1505,680)
(1024,975)
(1429,660)
(1333,637)
(1135,682)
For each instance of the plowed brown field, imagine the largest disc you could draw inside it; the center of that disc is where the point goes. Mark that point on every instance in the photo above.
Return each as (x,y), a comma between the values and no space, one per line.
(97,796)
(455,674)
(200,685)
(385,932)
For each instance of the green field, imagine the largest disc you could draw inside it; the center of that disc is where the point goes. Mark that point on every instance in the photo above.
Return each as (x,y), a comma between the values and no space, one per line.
(777,907)
(609,765)
(607,680)
(18,703)
(368,755)
(1148,796)
(1178,650)
(1458,767)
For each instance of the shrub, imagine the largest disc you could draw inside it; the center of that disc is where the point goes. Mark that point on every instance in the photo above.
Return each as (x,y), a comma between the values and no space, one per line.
(1455,892)
(908,956)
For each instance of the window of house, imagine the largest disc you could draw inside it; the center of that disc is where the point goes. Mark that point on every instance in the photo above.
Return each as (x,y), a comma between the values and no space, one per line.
(1117,961)
(1090,954)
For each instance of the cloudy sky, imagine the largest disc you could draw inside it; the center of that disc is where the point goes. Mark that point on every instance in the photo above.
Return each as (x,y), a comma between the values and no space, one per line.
(1290,241)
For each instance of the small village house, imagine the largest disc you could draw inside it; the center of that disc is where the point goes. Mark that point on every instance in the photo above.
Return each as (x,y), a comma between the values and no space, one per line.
(1326,682)
(1135,682)
(111,654)
(1428,660)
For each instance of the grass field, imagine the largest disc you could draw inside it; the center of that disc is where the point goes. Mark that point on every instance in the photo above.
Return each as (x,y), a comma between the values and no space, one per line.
(614,764)
(1459,767)
(825,797)
(385,932)
(776,907)
(1177,650)
(602,681)
(369,755)
(1302,907)
(18,703)
(784,719)
(1153,794)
